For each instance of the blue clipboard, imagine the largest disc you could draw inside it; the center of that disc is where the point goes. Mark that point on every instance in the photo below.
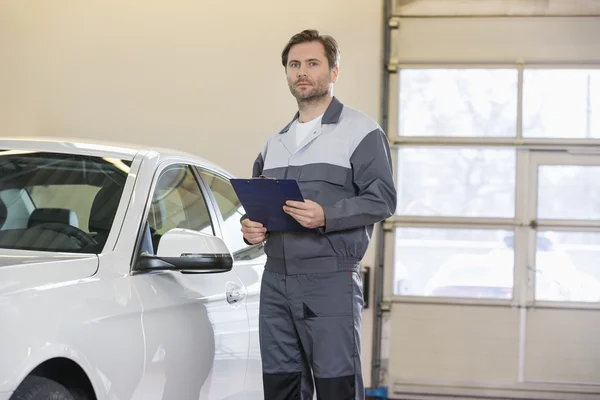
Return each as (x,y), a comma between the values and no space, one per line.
(263,200)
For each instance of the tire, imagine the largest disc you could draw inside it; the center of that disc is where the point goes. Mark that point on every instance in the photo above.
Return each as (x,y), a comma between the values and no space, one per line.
(40,388)
(78,394)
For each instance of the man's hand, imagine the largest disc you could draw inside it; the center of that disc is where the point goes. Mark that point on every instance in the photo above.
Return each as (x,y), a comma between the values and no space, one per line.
(254,232)
(308,213)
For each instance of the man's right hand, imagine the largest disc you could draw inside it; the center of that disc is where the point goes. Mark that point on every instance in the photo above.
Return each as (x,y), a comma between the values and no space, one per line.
(254,232)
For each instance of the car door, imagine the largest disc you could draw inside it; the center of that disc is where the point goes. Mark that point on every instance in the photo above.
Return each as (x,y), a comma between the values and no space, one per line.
(195,330)
(249,263)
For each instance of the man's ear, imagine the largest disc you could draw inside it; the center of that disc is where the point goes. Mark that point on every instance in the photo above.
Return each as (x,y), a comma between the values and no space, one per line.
(334,74)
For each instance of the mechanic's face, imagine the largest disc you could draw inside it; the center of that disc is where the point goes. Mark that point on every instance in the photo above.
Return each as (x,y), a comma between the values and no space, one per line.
(308,74)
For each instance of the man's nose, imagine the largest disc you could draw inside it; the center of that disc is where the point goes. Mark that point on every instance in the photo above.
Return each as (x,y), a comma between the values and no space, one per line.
(301,71)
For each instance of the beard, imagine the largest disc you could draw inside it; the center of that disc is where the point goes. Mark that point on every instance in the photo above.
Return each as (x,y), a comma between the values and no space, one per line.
(316,91)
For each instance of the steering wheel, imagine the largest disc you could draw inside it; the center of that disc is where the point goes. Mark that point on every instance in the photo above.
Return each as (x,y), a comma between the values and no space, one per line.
(82,238)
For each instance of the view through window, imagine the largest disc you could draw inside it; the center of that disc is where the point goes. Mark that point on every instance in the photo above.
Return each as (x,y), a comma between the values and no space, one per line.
(480,181)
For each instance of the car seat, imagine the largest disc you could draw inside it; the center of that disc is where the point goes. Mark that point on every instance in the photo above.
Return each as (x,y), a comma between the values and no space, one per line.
(102,213)
(3,213)
(45,215)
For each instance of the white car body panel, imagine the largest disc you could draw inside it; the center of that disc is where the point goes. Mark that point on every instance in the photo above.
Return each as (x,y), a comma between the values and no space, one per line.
(164,335)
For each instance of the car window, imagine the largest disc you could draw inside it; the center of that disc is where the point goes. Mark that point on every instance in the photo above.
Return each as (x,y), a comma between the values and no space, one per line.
(177,202)
(78,198)
(58,202)
(231,211)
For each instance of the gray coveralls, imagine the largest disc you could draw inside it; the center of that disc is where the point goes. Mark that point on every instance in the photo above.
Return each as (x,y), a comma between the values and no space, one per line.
(311,293)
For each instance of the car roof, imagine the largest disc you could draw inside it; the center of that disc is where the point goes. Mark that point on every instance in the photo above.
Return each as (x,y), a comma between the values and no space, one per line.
(113,149)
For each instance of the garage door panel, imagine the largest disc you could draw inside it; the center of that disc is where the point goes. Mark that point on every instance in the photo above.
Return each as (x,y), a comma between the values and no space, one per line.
(568,352)
(497,40)
(462,273)
(523,8)
(453,343)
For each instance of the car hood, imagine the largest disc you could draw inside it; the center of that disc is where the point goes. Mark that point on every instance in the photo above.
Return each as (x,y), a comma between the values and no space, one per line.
(28,270)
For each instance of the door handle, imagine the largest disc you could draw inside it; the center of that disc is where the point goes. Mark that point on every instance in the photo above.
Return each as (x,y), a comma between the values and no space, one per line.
(235,295)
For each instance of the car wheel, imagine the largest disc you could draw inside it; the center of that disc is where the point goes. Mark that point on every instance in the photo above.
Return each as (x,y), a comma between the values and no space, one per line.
(40,388)
(78,394)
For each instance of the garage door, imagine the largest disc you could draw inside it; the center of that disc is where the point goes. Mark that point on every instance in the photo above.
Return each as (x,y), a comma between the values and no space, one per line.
(492,269)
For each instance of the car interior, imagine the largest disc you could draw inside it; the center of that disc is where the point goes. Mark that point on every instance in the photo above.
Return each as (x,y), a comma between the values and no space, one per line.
(60,203)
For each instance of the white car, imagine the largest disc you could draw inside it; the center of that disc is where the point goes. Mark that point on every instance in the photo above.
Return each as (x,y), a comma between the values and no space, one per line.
(123,276)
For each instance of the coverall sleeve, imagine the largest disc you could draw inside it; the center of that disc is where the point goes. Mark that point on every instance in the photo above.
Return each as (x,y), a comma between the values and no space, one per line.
(372,172)
(257,169)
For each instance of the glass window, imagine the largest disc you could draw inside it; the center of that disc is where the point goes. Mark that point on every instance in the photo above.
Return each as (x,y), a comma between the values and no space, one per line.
(177,202)
(465,263)
(231,210)
(58,202)
(569,192)
(566,266)
(458,102)
(461,182)
(561,103)
(61,196)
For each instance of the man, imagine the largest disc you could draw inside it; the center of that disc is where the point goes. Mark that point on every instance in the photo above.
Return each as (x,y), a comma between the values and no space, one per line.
(311,295)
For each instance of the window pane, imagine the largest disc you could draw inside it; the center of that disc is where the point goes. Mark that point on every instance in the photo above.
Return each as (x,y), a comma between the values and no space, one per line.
(460,182)
(78,198)
(467,263)
(467,102)
(568,192)
(561,103)
(232,211)
(567,266)
(58,202)
(179,203)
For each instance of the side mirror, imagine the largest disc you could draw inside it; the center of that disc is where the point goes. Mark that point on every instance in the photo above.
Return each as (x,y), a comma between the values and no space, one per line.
(187,251)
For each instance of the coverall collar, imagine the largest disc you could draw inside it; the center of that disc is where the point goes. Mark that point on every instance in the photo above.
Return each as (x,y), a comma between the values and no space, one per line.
(331,116)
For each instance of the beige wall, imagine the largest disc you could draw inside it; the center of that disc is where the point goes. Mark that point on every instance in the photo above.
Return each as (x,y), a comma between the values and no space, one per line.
(185,74)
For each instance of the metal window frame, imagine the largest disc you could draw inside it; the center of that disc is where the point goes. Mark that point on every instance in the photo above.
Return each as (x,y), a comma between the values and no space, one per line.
(523,295)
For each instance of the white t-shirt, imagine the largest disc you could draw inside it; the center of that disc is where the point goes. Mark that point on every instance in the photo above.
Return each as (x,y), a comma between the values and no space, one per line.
(303,129)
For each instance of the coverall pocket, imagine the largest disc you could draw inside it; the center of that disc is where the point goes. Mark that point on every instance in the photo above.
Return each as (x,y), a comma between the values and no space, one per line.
(327,295)
(324,173)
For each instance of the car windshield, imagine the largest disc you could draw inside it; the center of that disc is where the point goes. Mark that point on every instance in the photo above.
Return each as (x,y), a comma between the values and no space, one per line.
(58,202)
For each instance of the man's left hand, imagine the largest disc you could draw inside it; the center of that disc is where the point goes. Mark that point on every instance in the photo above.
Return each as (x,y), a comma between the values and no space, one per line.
(308,213)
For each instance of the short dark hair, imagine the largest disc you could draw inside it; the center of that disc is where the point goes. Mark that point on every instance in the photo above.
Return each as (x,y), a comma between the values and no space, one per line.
(332,50)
